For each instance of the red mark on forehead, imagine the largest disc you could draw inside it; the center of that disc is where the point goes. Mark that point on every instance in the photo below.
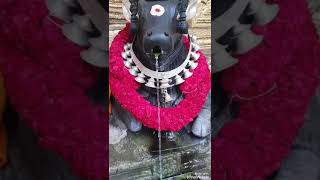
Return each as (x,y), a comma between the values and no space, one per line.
(157,10)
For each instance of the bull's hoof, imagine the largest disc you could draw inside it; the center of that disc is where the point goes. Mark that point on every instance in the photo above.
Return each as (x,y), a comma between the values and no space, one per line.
(202,125)
(133,125)
(118,113)
(168,143)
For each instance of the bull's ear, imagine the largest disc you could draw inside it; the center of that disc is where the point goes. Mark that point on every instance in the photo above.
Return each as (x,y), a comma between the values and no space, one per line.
(192,9)
(126,10)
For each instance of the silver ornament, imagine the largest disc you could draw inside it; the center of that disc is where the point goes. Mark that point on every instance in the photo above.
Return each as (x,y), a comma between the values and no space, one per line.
(187,73)
(178,79)
(192,64)
(140,79)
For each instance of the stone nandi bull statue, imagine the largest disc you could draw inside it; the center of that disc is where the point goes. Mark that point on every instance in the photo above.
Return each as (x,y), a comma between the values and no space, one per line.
(160,59)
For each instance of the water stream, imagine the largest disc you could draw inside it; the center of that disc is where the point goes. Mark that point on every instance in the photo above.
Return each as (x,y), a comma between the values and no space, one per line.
(159,118)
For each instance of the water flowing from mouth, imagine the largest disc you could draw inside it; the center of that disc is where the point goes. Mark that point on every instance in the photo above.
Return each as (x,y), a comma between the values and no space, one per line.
(159,119)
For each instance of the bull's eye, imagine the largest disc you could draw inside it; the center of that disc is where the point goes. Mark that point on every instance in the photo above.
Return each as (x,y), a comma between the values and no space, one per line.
(157,10)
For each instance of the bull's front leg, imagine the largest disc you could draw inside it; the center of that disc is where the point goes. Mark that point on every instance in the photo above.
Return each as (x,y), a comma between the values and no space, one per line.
(118,113)
(202,124)
(118,130)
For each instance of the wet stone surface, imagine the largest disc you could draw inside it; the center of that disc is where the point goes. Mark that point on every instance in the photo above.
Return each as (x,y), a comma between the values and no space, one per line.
(131,158)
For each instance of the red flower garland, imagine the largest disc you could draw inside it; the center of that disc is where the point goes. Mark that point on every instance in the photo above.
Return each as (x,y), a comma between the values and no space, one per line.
(124,89)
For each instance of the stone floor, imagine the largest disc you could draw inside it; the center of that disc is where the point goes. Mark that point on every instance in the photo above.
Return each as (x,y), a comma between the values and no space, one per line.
(131,157)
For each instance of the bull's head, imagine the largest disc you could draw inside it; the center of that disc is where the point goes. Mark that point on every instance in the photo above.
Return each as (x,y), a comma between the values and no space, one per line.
(159,24)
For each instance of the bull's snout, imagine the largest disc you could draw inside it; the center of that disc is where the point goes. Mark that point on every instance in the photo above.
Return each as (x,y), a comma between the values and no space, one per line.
(161,42)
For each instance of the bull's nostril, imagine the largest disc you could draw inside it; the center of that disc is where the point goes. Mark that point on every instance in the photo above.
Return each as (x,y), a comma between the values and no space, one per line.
(166,34)
(156,50)
(149,33)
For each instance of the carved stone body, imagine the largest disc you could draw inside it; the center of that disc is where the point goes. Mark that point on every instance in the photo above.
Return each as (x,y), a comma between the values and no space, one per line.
(162,32)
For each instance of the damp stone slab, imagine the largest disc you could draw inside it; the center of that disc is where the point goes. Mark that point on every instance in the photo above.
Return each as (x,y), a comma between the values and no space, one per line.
(131,158)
